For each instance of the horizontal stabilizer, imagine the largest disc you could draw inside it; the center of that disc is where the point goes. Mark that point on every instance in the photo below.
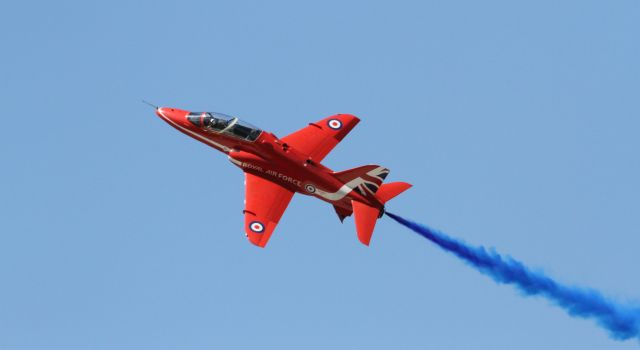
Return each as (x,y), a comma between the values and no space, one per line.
(391,190)
(365,218)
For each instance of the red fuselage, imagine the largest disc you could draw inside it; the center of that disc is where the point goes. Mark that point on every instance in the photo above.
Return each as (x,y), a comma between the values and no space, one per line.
(263,154)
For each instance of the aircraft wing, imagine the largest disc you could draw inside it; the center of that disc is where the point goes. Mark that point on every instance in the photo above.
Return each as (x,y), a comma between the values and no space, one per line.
(319,138)
(265,202)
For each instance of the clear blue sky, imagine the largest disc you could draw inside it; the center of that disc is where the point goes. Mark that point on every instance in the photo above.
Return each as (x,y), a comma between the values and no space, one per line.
(517,123)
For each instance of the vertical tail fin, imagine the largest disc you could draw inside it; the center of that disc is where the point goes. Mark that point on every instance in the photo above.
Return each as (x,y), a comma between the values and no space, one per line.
(366,178)
(366,216)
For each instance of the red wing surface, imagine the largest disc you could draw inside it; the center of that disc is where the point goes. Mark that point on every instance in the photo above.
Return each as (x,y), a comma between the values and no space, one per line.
(265,202)
(319,138)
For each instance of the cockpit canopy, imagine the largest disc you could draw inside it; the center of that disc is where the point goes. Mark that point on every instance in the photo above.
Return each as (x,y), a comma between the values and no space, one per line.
(224,124)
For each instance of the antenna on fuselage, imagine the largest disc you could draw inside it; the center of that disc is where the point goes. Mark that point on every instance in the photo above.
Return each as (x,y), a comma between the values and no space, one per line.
(150,104)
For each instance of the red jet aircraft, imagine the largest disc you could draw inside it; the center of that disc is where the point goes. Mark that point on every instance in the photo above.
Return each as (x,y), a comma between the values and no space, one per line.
(275,169)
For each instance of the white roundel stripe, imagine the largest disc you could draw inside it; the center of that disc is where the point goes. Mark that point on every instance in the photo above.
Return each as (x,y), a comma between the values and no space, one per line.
(334,124)
(256,227)
(310,188)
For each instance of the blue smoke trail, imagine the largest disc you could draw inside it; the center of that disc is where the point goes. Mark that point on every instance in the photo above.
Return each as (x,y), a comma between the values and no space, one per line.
(622,322)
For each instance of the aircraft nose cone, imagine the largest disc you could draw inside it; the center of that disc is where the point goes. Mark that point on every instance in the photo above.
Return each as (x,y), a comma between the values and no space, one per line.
(166,113)
(174,116)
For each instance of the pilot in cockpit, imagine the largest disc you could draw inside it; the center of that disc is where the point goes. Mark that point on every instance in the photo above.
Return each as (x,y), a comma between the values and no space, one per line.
(208,121)
(214,123)
(227,125)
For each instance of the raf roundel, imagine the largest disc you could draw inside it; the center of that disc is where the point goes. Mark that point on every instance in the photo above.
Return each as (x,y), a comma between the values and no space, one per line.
(256,227)
(334,124)
(310,188)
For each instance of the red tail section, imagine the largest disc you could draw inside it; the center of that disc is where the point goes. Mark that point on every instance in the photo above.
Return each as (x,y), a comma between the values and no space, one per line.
(370,177)
(388,191)
(366,216)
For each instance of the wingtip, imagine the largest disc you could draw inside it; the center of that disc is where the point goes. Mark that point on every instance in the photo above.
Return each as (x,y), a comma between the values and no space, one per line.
(366,244)
(256,240)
